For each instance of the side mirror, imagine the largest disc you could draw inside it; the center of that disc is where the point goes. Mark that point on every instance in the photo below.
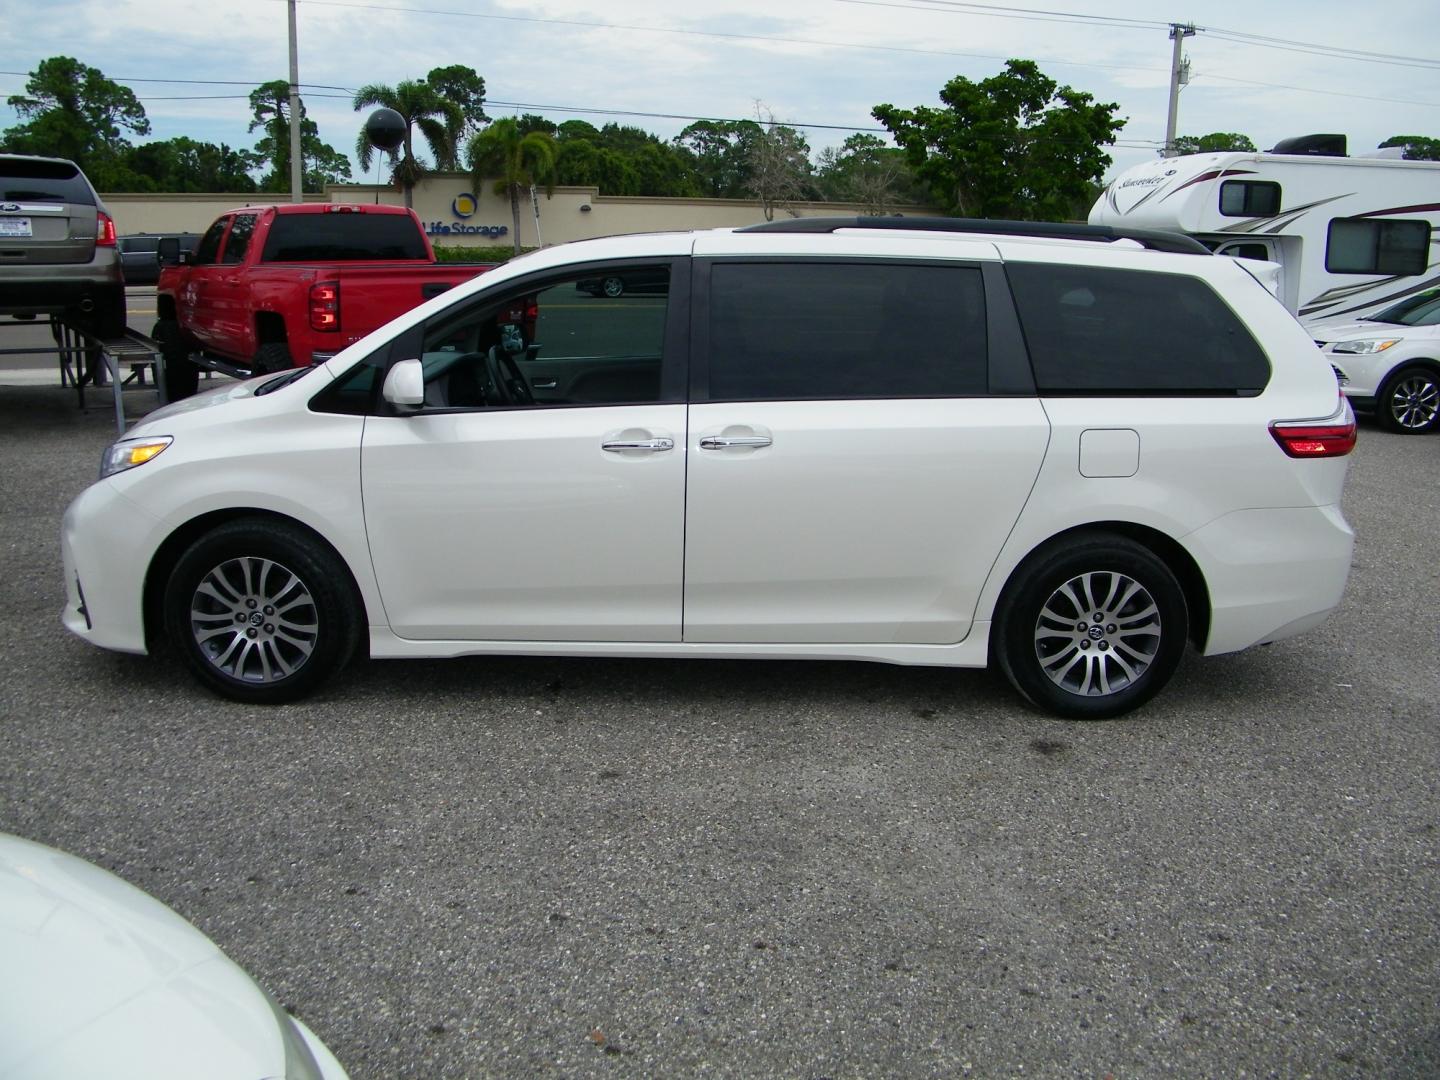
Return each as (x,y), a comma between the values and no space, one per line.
(405,385)
(169,250)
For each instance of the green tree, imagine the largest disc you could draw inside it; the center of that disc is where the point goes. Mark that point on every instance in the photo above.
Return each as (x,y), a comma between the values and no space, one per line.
(520,160)
(1417,147)
(464,88)
(186,165)
(1016,145)
(720,155)
(73,111)
(320,163)
(1214,143)
(866,170)
(420,106)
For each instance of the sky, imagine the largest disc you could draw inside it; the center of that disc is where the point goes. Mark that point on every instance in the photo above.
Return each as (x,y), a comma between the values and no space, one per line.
(810,63)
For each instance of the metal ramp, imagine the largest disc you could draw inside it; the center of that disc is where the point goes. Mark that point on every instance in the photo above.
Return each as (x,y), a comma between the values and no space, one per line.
(87,359)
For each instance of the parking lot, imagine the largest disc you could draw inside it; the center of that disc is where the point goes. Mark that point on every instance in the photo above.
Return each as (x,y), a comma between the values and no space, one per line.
(541,867)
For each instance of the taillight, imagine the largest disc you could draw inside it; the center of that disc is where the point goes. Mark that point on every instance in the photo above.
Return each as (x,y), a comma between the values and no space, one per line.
(1315,440)
(325,306)
(104,229)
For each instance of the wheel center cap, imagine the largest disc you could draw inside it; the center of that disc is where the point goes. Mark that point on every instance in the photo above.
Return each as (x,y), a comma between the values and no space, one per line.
(256,618)
(1095,633)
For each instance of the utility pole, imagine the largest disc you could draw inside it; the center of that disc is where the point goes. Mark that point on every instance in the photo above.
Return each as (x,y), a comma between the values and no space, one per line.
(296,165)
(1179,76)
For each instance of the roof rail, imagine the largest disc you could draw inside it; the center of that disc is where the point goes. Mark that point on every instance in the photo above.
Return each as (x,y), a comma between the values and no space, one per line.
(1155,239)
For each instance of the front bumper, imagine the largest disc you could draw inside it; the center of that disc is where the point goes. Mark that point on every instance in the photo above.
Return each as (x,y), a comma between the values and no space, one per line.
(105,546)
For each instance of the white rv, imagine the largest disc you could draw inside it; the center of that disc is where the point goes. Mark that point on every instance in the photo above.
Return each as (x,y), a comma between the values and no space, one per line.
(1351,234)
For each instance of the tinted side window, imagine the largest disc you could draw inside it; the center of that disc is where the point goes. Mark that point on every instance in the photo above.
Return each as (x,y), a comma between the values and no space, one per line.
(210,242)
(1249,198)
(794,331)
(239,238)
(1104,331)
(1377,246)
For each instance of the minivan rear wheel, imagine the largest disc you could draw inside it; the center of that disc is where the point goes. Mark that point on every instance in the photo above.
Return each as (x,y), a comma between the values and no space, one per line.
(1091,627)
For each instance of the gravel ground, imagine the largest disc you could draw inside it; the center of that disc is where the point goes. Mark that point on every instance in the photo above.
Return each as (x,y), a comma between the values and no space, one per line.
(572,868)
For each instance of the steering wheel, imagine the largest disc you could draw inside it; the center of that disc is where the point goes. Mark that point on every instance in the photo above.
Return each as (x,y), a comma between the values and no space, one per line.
(505,373)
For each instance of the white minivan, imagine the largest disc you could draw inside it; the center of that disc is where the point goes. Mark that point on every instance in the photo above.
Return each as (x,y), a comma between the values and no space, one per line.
(1062,449)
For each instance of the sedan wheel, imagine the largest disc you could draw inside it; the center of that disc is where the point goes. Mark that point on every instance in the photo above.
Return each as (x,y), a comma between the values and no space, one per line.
(1410,403)
(613,287)
(261,611)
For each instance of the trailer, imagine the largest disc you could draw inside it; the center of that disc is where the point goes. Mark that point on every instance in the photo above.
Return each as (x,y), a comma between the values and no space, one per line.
(1351,235)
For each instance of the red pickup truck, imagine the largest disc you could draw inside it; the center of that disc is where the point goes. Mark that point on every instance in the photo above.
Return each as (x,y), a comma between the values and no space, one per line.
(273,287)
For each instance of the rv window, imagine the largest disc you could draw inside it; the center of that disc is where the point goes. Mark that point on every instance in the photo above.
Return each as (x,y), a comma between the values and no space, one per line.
(1249,198)
(1377,246)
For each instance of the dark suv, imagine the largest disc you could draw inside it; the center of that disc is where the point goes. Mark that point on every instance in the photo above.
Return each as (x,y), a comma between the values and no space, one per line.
(57,246)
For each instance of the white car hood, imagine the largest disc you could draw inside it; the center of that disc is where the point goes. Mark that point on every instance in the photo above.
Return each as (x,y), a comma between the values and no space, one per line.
(1355,331)
(100,979)
(209,399)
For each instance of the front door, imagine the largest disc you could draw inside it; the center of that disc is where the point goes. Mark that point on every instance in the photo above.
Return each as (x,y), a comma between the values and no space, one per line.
(539,493)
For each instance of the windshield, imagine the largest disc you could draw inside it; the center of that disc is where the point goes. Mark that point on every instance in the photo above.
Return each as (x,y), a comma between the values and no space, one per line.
(1422,309)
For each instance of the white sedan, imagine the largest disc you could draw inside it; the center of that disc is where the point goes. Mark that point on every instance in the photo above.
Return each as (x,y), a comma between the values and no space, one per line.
(1390,362)
(101,979)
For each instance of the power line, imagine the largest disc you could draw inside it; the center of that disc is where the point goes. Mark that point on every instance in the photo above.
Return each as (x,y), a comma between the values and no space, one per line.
(721,34)
(1003,11)
(1312,90)
(199,82)
(940,7)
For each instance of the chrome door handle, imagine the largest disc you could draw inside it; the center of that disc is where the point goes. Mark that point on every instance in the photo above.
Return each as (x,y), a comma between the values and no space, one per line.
(638,444)
(547,384)
(721,442)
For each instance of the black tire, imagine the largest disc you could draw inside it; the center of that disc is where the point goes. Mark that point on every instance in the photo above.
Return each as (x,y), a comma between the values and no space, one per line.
(613,286)
(272,356)
(182,378)
(261,611)
(1050,645)
(1409,402)
(110,314)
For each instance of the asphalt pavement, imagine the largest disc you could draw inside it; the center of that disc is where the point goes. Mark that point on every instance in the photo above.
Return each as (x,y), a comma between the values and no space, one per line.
(574,868)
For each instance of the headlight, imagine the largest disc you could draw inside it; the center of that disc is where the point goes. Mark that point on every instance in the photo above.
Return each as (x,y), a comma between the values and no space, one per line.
(1369,345)
(128,453)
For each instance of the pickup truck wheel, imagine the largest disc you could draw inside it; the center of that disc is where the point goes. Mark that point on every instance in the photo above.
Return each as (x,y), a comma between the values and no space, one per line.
(273,356)
(182,378)
(1092,627)
(261,611)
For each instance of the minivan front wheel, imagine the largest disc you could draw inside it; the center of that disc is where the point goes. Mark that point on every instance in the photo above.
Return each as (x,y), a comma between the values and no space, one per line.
(261,611)
(1092,627)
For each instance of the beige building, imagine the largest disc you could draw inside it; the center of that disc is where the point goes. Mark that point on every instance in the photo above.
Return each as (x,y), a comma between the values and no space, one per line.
(454,213)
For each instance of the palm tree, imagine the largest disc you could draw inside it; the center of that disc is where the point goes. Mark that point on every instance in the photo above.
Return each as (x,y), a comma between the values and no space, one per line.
(520,161)
(419,105)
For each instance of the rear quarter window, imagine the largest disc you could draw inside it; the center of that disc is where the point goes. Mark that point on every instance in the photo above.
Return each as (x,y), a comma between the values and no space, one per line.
(1103,332)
